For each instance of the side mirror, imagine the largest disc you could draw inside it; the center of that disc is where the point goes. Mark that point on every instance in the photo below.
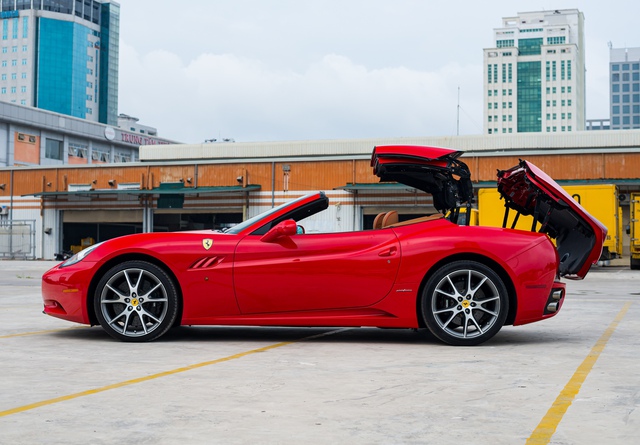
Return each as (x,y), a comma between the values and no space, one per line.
(285,228)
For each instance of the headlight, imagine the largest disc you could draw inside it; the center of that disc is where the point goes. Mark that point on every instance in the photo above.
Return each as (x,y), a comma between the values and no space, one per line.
(79,256)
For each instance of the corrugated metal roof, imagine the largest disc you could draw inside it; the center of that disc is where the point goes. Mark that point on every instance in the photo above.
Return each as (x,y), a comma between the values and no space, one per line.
(360,148)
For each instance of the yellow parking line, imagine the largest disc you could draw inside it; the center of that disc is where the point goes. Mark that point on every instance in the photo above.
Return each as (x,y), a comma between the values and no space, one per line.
(48,331)
(158,375)
(547,426)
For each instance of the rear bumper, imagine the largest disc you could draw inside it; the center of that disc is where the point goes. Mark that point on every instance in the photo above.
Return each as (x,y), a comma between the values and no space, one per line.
(540,302)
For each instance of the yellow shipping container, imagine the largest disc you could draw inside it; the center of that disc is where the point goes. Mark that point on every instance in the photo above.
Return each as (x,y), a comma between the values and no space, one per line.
(600,200)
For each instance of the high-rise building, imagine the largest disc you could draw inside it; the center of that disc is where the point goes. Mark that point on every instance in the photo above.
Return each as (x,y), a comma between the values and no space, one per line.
(61,56)
(624,88)
(534,76)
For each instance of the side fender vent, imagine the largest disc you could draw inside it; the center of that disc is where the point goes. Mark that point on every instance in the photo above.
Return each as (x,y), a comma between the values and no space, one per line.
(206,262)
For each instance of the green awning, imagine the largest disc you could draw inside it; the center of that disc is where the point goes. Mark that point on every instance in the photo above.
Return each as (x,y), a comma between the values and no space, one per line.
(154,191)
(351,187)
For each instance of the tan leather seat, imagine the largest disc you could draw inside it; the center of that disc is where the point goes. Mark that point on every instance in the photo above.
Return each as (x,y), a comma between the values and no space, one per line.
(377,222)
(390,218)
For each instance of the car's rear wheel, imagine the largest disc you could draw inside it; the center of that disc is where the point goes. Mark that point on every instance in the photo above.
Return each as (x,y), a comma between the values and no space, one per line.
(136,301)
(464,303)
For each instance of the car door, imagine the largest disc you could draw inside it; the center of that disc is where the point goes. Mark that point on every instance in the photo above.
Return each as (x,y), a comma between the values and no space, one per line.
(309,272)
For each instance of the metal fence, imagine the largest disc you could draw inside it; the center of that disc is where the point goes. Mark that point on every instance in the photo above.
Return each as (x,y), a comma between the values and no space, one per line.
(18,239)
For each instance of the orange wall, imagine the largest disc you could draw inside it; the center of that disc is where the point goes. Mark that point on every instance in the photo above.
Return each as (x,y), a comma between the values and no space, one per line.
(26,148)
(307,175)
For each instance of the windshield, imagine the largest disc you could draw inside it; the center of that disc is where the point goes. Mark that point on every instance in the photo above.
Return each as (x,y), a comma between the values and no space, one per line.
(249,222)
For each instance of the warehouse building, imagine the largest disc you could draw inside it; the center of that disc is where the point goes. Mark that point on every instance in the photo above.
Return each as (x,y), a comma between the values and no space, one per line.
(216,185)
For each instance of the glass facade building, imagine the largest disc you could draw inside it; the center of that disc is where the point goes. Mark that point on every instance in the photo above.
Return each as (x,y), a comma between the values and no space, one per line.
(61,56)
(534,74)
(624,88)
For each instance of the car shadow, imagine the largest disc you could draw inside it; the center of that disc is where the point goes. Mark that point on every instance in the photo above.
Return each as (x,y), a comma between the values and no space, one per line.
(506,337)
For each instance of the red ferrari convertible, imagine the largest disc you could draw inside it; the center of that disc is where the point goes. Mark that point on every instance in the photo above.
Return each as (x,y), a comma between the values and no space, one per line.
(461,282)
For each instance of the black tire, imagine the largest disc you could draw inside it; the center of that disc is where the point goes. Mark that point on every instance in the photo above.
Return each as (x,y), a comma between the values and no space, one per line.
(464,303)
(634,263)
(136,301)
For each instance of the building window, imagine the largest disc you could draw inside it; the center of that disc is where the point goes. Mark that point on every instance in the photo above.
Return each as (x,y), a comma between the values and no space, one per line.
(548,70)
(4,77)
(23,102)
(14,49)
(24,61)
(625,88)
(615,88)
(25,48)
(490,91)
(24,75)
(568,89)
(504,43)
(490,105)
(53,149)
(568,69)
(13,89)
(25,27)
(568,116)
(3,90)
(14,62)
(14,76)
(615,67)
(23,89)
(490,118)
(555,40)
(14,34)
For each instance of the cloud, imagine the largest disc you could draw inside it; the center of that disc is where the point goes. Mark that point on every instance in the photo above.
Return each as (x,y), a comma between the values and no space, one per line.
(223,95)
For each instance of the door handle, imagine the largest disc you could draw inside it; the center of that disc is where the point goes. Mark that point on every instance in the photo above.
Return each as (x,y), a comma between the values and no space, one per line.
(388,252)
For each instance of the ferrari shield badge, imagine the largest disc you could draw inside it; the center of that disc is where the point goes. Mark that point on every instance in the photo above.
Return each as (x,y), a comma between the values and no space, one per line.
(207,243)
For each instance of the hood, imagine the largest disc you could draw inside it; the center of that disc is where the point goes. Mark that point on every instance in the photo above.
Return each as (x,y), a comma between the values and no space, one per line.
(434,170)
(579,236)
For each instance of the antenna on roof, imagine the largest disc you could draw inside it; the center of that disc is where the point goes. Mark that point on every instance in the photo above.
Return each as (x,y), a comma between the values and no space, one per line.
(458,114)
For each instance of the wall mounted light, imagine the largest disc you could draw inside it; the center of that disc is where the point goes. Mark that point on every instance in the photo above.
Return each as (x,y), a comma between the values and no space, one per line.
(3,186)
(112,182)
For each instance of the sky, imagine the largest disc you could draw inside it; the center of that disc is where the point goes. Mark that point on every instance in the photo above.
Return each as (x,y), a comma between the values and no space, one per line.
(286,70)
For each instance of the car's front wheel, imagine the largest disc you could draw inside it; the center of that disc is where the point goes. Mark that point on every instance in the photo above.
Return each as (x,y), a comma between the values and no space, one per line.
(136,301)
(464,303)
